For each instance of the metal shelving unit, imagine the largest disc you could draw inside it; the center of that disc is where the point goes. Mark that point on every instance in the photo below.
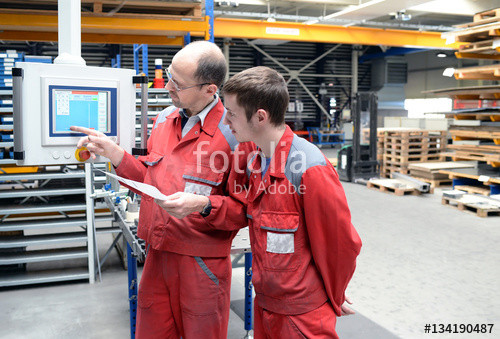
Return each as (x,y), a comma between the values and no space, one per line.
(46,220)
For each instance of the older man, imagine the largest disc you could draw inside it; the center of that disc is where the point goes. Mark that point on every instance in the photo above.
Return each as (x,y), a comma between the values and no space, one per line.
(185,285)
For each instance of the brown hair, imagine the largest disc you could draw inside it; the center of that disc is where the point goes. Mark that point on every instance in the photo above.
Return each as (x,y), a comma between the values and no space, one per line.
(260,88)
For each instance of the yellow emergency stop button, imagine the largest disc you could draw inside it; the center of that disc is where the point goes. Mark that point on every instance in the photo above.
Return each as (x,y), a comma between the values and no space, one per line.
(82,154)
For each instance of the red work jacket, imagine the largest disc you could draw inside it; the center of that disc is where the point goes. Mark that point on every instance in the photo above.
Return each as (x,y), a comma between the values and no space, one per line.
(303,243)
(198,163)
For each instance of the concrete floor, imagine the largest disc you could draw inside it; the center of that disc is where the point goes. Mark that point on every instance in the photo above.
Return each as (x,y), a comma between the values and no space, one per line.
(421,263)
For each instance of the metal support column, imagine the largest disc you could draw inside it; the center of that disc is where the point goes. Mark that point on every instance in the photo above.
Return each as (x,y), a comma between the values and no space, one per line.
(354,71)
(225,49)
(116,62)
(248,293)
(90,221)
(187,39)
(209,11)
(132,288)
(144,49)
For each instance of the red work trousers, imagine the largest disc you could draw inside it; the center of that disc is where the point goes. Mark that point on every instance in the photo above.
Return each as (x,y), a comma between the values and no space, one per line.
(186,296)
(318,323)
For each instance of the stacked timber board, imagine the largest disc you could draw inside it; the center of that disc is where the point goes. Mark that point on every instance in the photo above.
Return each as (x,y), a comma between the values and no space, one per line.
(430,171)
(476,131)
(402,148)
(476,136)
(482,179)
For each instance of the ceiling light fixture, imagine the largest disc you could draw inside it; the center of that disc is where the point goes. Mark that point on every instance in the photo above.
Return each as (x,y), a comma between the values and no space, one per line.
(348,9)
(400,16)
(227,4)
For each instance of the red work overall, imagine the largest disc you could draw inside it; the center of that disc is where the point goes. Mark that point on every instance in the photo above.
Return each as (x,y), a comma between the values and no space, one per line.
(304,246)
(185,285)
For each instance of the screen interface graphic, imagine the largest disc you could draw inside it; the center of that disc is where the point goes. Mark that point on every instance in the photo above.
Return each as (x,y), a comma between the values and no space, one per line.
(80,108)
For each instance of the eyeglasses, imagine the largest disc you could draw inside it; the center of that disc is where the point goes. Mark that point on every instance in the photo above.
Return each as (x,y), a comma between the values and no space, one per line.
(176,86)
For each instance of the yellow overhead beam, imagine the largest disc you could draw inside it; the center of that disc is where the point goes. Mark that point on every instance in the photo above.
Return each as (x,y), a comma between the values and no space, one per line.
(104,29)
(255,29)
(32,27)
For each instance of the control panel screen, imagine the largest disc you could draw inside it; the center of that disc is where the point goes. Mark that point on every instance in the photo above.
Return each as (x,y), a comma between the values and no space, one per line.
(91,107)
(71,107)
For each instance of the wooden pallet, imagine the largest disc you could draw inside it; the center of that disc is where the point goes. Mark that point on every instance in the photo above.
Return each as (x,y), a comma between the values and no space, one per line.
(489,46)
(470,208)
(414,133)
(394,165)
(388,169)
(475,134)
(488,72)
(482,18)
(414,142)
(413,151)
(490,15)
(415,145)
(405,159)
(390,186)
(473,34)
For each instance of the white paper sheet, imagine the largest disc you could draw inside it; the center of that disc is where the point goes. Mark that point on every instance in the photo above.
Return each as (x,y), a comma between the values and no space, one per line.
(152,191)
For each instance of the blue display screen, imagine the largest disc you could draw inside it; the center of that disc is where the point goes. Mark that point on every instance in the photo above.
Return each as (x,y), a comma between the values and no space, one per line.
(82,106)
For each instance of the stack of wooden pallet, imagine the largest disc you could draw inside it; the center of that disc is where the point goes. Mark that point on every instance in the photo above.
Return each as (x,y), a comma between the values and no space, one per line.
(480,36)
(401,148)
(476,130)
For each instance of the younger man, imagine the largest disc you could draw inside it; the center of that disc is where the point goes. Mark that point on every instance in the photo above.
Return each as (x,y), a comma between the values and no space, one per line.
(303,243)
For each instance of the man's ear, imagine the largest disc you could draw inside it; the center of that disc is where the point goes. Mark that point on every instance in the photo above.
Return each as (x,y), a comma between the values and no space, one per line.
(211,89)
(262,115)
